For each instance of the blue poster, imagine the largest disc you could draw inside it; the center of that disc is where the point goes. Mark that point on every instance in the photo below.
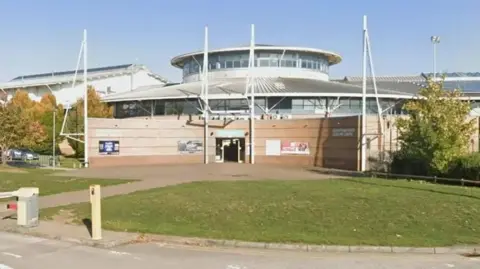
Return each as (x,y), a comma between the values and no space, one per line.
(108,147)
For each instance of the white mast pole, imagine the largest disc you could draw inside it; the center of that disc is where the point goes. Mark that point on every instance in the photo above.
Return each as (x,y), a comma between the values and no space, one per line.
(54,133)
(364,98)
(85,102)
(206,106)
(374,81)
(252,95)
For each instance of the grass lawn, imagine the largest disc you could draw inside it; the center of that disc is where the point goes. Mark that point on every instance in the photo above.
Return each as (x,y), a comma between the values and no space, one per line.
(48,184)
(342,211)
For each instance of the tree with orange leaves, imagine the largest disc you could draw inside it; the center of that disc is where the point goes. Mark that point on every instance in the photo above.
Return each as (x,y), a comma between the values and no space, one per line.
(18,128)
(96,109)
(44,112)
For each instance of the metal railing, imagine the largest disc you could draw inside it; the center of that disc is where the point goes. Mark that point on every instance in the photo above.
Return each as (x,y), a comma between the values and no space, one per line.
(386,175)
(434,179)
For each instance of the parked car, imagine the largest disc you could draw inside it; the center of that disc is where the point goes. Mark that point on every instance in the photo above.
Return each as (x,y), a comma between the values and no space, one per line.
(28,155)
(23,154)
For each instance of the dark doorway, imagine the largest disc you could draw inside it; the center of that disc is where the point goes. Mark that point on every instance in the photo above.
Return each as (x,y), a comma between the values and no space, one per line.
(230,149)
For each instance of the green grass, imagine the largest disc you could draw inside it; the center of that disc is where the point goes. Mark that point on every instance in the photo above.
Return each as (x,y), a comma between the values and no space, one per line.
(344,212)
(69,162)
(46,182)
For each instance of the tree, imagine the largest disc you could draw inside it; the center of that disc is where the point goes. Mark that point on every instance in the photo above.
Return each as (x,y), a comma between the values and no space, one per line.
(437,130)
(96,109)
(17,129)
(22,99)
(43,112)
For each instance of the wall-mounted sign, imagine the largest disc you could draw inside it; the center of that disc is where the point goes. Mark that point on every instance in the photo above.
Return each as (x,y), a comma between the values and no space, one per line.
(189,146)
(225,133)
(343,132)
(297,148)
(273,147)
(110,147)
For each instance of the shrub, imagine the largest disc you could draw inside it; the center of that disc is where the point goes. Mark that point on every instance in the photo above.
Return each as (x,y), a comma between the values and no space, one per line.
(406,164)
(467,167)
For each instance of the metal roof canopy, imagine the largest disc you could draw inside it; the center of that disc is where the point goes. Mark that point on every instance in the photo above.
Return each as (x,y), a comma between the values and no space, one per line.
(66,77)
(267,87)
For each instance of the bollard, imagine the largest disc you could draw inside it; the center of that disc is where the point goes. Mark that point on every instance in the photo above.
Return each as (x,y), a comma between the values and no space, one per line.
(96,212)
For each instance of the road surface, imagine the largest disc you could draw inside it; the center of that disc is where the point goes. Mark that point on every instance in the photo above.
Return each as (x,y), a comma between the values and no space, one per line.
(21,252)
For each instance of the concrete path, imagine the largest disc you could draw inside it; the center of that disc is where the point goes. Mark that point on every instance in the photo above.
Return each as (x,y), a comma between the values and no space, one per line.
(22,252)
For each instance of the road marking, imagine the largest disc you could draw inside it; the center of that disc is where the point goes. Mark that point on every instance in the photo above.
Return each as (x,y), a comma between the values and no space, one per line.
(231,266)
(449,265)
(119,253)
(12,255)
(4,266)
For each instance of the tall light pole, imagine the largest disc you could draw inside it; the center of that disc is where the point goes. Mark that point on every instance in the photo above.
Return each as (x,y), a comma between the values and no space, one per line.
(206,107)
(363,157)
(85,101)
(435,40)
(54,133)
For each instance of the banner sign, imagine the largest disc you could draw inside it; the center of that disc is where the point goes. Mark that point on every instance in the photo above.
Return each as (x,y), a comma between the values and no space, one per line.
(292,147)
(109,147)
(189,146)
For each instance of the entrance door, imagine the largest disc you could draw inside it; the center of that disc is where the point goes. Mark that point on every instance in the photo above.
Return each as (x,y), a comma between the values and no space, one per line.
(230,149)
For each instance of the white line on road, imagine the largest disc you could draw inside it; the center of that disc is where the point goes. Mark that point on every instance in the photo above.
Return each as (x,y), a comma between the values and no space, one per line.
(119,253)
(12,255)
(4,266)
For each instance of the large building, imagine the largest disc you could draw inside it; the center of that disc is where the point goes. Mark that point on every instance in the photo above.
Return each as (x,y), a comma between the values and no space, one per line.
(67,87)
(289,82)
(303,117)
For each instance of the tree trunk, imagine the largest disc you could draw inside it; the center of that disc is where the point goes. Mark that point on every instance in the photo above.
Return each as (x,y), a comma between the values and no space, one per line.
(4,157)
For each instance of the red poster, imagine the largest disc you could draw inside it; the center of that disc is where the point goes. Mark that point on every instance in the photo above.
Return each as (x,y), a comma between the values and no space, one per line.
(289,147)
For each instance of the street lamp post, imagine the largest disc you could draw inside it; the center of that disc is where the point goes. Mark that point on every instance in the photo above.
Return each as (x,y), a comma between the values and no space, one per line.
(435,40)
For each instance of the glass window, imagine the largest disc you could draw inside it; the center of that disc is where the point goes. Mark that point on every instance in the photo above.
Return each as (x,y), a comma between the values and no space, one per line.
(159,107)
(264,62)
(236,64)
(240,104)
(304,63)
(310,104)
(244,63)
(217,104)
(229,64)
(355,103)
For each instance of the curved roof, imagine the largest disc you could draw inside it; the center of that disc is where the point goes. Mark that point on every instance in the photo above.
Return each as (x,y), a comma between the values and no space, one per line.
(265,87)
(333,58)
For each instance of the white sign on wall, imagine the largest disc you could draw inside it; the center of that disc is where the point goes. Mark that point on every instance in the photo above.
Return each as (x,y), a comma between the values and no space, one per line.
(345,132)
(272,147)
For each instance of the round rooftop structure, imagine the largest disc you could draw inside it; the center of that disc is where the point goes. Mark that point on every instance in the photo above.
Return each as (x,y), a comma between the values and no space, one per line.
(270,61)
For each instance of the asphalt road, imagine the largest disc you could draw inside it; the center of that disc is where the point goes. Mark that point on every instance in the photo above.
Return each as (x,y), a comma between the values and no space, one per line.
(21,252)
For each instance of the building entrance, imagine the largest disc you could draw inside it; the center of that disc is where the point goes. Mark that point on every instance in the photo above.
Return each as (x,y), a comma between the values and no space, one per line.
(230,150)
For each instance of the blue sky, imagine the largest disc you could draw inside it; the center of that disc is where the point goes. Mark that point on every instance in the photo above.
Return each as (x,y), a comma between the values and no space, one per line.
(44,36)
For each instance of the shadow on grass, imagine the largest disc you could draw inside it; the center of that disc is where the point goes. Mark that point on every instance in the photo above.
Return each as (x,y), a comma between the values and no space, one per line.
(88,225)
(335,172)
(366,182)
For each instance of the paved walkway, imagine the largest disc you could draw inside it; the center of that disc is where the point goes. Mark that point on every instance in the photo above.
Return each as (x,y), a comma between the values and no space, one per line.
(150,177)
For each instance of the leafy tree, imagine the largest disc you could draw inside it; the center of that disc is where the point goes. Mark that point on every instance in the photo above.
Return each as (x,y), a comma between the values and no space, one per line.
(96,109)
(437,130)
(43,111)
(18,128)
(22,99)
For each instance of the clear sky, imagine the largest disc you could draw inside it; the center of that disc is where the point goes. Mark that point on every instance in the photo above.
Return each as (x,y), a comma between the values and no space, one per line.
(44,35)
